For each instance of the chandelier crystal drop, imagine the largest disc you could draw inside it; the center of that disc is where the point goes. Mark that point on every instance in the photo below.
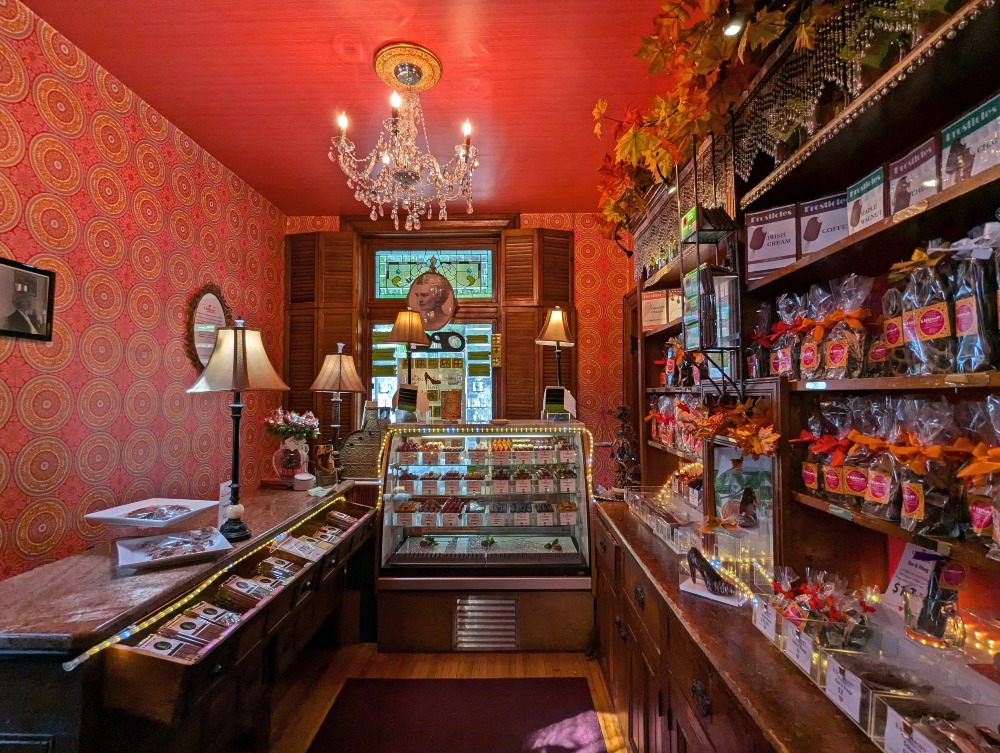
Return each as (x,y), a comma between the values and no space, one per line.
(397,175)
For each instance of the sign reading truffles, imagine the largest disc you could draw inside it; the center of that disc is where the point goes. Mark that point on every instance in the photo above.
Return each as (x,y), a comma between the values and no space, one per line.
(914,177)
(772,240)
(866,201)
(822,223)
(971,144)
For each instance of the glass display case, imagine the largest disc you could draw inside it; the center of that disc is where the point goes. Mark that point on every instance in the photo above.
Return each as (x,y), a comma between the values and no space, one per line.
(473,501)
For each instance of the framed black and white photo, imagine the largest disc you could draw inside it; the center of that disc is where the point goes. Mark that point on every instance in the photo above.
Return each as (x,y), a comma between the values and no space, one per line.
(27,299)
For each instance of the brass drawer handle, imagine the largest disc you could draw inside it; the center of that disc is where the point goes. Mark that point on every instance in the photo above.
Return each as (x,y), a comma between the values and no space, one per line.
(604,547)
(640,596)
(701,698)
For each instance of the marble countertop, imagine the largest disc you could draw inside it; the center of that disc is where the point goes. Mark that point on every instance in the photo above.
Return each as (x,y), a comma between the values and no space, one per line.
(792,713)
(73,603)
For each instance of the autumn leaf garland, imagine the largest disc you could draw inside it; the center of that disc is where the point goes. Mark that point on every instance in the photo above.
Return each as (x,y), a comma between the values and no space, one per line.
(747,424)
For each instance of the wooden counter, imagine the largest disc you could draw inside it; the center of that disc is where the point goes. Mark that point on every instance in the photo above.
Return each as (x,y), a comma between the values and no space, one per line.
(791,713)
(73,603)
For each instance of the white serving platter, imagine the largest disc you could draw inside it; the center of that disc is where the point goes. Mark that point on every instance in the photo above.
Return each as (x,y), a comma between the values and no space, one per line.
(124,515)
(156,551)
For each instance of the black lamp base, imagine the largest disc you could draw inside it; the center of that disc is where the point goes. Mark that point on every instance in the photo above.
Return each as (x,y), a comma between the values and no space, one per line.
(235,530)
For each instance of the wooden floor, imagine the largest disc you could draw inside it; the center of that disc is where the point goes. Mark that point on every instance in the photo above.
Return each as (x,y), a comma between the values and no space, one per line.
(320,675)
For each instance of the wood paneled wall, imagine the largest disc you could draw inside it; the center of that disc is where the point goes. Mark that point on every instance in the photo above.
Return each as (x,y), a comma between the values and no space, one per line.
(330,299)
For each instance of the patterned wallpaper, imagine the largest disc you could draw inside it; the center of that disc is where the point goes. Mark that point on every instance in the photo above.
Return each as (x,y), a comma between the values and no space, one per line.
(312,224)
(132,215)
(603,276)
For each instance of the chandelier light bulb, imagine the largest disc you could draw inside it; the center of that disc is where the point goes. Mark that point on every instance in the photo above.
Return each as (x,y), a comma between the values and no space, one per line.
(342,121)
(385,158)
(395,100)
(467,128)
(734,22)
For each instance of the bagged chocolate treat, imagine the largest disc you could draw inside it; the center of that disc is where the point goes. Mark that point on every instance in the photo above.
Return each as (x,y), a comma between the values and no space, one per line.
(975,315)
(671,374)
(929,321)
(821,304)
(883,498)
(981,473)
(858,460)
(837,417)
(810,464)
(845,345)
(758,353)
(785,350)
(892,332)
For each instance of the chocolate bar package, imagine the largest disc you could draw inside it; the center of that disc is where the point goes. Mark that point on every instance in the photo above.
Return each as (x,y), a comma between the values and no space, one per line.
(822,223)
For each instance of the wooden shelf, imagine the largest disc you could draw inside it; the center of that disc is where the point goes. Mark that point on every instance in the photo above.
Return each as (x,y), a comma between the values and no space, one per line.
(669,275)
(669,328)
(970,553)
(948,214)
(986,379)
(936,82)
(669,390)
(691,457)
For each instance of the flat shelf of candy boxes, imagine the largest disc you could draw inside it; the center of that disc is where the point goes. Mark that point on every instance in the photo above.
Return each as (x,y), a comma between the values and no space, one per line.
(486,498)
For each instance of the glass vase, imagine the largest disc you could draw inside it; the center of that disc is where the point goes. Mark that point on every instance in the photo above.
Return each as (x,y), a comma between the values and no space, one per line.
(290,458)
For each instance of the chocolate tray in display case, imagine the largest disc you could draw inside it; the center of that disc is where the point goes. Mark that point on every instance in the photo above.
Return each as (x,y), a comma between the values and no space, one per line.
(468,501)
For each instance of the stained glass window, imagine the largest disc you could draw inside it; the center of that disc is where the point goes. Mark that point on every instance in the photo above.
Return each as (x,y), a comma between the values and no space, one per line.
(469,272)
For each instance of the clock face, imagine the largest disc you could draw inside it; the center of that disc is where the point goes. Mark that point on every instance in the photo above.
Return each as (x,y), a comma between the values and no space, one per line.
(433,297)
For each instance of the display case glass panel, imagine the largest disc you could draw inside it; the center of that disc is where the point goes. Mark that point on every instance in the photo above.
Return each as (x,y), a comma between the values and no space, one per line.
(511,500)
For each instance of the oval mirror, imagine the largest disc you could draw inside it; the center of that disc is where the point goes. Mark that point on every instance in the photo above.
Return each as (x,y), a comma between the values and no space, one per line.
(206,313)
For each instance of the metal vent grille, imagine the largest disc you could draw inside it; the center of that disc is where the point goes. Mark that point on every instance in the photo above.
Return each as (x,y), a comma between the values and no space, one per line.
(486,623)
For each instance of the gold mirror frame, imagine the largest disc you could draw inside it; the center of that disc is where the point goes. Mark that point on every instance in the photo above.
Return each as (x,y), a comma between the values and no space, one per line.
(209,288)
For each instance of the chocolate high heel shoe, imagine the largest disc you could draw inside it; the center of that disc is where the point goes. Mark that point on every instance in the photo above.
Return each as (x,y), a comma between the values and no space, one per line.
(715,582)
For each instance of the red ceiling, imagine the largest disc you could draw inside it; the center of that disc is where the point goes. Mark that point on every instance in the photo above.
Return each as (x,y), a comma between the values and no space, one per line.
(259,84)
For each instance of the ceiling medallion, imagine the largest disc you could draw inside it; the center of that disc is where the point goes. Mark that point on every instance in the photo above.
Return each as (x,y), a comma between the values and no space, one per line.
(397,174)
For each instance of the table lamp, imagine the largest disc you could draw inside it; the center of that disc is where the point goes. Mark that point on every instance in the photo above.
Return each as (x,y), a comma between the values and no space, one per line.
(408,330)
(556,332)
(337,375)
(238,364)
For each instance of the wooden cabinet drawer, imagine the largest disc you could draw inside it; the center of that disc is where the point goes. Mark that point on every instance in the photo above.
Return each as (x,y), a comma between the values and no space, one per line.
(642,595)
(606,550)
(708,700)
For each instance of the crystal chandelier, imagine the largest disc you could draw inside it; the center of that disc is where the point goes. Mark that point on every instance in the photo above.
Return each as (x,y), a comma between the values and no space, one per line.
(397,174)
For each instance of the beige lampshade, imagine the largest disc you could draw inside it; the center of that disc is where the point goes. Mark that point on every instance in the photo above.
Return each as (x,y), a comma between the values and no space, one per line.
(408,329)
(239,363)
(556,330)
(338,374)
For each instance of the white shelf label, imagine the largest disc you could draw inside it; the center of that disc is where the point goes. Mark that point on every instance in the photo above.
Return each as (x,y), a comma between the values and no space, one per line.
(404,518)
(453,487)
(453,458)
(798,647)
(450,519)
(474,519)
(844,689)
(522,518)
(545,456)
(498,519)
(546,518)
(765,618)
(501,457)
(567,484)
(428,487)
(522,486)
(567,518)
(407,486)
(429,458)
(477,457)
(407,458)
(501,486)
(901,738)
(429,519)
(567,456)
(546,485)
(693,499)
(473,487)
(523,456)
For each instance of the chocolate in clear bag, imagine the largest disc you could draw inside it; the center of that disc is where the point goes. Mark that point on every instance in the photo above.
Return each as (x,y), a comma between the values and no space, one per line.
(883,498)
(932,503)
(758,356)
(821,303)
(837,419)
(929,321)
(892,333)
(845,345)
(785,350)
(975,315)
(858,459)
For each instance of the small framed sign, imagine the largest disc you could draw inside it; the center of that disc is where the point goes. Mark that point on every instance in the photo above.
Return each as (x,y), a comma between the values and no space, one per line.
(27,301)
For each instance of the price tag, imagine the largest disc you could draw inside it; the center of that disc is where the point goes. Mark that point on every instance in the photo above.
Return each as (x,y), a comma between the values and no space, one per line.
(567,456)
(500,486)
(452,487)
(453,458)
(473,519)
(913,575)
(407,458)
(798,647)
(523,456)
(473,487)
(498,519)
(546,485)
(693,498)
(477,457)
(766,620)
(522,518)
(567,484)
(545,456)
(429,458)
(844,689)
(900,737)
(429,519)
(522,486)
(404,518)
(450,519)
(502,457)
(407,486)
(546,518)
(567,518)
(429,487)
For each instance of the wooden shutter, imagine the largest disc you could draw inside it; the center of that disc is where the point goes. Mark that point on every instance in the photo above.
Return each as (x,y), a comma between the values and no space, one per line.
(520,362)
(339,273)
(335,327)
(300,266)
(300,358)
(519,267)
(556,251)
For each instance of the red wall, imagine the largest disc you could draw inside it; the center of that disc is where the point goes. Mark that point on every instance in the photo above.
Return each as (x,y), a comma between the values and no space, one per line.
(132,215)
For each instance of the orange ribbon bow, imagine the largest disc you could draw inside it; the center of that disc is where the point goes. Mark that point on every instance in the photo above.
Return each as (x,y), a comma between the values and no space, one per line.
(827,444)
(780,328)
(985,460)
(864,442)
(853,319)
